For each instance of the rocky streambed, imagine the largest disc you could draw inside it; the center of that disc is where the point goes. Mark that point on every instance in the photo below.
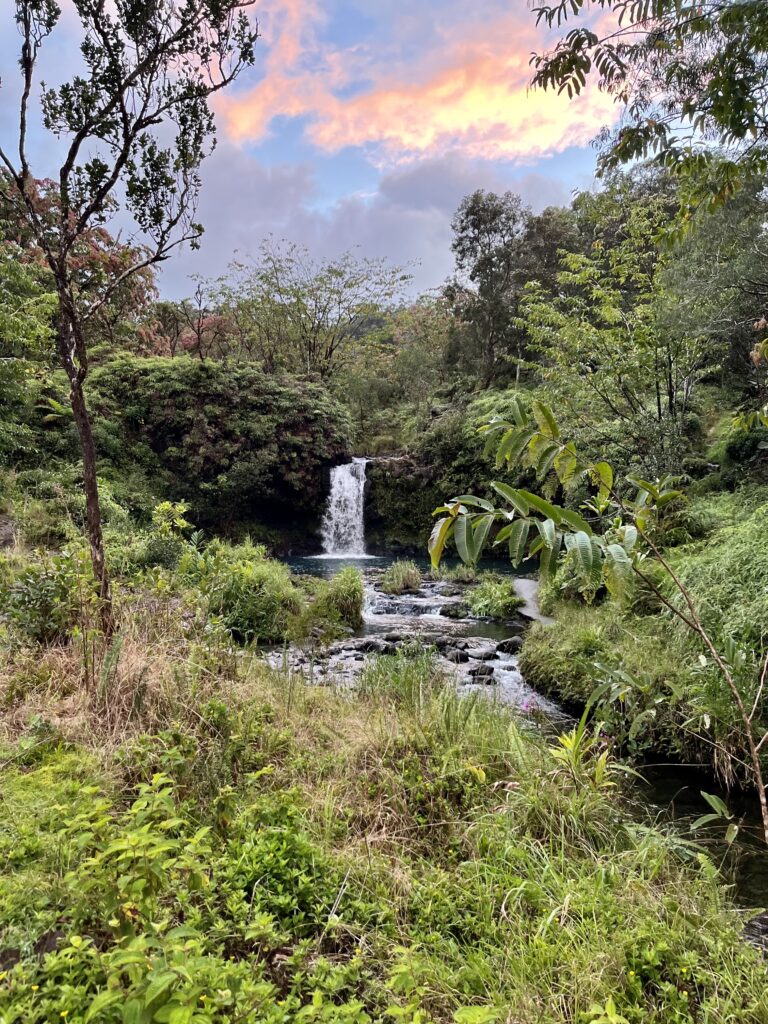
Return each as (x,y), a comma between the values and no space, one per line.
(481,654)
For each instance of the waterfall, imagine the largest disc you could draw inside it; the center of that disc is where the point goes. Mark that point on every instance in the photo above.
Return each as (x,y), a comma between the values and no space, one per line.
(342,527)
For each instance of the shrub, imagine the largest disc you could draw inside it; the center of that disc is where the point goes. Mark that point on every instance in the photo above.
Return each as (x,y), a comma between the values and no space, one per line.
(49,597)
(495,598)
(342,599)
(401,578)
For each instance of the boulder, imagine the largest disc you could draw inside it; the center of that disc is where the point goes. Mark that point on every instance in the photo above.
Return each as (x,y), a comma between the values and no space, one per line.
(456,656)
(510,646)
(482,673)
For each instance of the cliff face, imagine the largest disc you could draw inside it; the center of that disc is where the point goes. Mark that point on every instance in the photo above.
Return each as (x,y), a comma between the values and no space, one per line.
(400,497)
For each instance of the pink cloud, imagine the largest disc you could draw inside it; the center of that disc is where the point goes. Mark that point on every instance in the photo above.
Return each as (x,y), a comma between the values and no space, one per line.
(468,91)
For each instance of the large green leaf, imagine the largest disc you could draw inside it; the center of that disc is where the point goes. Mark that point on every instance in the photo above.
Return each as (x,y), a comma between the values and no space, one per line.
(546,459)
(546,508)
(518,538)
(462,535)
(514,497)
(546,420)
(438,539)
(513,444)
(575,521)
(480,531)
(472,501)
(618,570)
(603,477)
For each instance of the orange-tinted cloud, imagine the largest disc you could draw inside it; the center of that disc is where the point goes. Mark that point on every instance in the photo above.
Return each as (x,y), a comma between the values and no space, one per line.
(473,96)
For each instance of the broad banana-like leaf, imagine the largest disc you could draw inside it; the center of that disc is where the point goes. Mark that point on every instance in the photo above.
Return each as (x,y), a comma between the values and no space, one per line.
(548,558)
(603,477)
(439,538)
(546,420)
(586,557)
(513,445)
(480,530)
(575,521)
(470,499)
(629,539)
(548,532)
(465,545)
(518,538)
(515,499)
(546,459)
(617,570)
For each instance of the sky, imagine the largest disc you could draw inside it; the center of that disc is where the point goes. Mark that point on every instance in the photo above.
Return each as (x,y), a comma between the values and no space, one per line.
(361,126)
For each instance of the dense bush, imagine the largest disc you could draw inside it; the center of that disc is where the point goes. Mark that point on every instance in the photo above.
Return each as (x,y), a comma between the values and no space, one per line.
(47,598)
(401,578)
(254,597)
(235,443)
(495,598)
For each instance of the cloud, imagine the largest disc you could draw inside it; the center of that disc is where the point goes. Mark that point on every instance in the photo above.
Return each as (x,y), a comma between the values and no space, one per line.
(407,219)
(467,90)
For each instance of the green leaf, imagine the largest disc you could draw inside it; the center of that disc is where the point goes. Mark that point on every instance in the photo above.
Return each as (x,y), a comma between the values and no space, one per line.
(548,559)
(602,474)
(481,528)
(515,498)
(587,558)
(546,420)
(618,570)
(717,805)
(462,535)
(548,532)
(546,508)
(575,521)
(476,1015)
(518,538)
(546,459)
(513,444)
(438,539)
(106,998)
(473,502)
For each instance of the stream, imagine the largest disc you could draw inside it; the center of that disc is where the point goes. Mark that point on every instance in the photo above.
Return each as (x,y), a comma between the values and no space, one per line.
(481,654)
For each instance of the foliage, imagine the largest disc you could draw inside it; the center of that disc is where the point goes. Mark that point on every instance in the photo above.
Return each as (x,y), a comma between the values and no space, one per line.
(686,76)
(228,440)
(51,597)
(260,893)
(494,598)
(254,597)
(402,577)
(289,312)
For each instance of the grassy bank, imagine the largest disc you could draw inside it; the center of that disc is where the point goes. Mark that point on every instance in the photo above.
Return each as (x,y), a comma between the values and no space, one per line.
(191,838)
(651,686)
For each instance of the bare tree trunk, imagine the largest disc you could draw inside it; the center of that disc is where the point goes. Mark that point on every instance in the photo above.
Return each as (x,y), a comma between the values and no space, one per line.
(76,375)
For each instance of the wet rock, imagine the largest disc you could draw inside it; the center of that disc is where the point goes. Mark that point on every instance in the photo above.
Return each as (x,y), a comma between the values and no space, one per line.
(455,610)
(455,655)
(510,646)
(372,645)
(482,651)
(756,931)
(482,673)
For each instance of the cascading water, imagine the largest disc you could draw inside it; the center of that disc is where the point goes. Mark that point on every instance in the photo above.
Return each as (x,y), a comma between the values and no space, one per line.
(342,528)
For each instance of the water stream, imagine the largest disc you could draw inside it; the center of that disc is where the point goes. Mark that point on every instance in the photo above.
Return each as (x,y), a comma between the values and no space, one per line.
(479,654)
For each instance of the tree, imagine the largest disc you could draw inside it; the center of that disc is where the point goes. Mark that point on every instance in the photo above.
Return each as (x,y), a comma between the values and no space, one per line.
(500,246)
(488,233)
(292,312)
(147,66)
(688,73)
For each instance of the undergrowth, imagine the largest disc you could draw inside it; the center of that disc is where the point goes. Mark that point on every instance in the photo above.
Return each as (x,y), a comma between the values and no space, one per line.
(249,848)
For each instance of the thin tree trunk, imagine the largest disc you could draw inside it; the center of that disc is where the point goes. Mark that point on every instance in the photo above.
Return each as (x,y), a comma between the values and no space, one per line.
(76,375)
